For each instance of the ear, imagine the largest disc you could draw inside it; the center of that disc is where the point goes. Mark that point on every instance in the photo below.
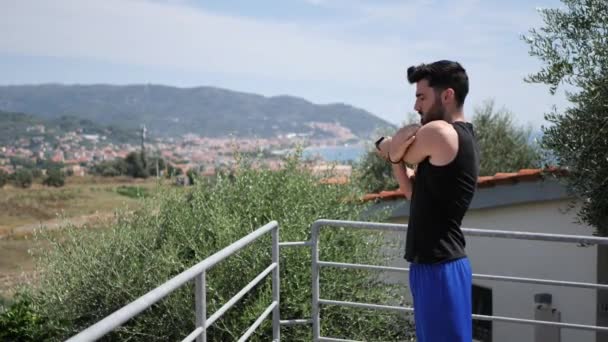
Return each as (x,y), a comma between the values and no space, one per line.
(448,95)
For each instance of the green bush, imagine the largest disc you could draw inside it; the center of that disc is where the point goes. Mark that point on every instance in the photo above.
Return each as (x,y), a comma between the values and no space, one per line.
(154,163)
(23,178)
(3,178)
(37,173)
(20,321)
(173,171)
(373,174)
(137,165)
(111,168)
(109,172)
(55,177)
(89,274)
(133,191)
(193,177)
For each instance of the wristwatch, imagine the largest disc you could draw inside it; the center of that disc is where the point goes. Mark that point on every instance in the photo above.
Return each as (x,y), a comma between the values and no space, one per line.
(377,143)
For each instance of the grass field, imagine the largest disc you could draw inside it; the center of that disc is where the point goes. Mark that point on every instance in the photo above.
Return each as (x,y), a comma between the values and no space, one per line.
(83,200)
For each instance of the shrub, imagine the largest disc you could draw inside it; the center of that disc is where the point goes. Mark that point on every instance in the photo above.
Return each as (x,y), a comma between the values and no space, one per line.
(55,177)
(132,191)
(23,178)
(3,178)
(37,173)
(136,165)
(19,321)
(89,274)
(192,176)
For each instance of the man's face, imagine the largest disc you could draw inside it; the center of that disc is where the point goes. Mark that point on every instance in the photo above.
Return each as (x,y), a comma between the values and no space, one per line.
(428,103)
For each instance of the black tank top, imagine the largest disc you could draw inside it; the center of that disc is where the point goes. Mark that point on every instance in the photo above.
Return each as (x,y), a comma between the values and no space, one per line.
(440,197)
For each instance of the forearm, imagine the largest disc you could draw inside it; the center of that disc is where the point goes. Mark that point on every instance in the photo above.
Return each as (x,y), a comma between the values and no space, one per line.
(403,176)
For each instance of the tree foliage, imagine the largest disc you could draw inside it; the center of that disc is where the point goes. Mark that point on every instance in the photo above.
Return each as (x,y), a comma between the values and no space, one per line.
(573,46)
(132,165)
(374,174)
(504,146)
(19,321)
(55,177)
(136,165)
(3,178)
(23,178)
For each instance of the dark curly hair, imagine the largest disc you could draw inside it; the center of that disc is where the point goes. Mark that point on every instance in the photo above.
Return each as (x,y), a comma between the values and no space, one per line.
(442,75)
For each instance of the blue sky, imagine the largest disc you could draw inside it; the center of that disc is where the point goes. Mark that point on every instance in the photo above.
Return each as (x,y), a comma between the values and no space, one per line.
(326,51)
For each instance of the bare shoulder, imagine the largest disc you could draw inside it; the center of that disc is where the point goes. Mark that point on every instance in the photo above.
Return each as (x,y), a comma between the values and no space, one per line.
(438,130)
(443,138)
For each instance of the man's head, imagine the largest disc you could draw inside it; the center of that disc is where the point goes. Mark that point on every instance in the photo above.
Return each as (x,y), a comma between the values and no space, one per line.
(441,88)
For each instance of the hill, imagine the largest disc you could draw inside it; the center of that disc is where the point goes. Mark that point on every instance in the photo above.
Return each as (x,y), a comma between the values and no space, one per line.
(15,126)
(170,111)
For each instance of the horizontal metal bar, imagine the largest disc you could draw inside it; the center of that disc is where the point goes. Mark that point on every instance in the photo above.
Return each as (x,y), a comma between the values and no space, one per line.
(289,322)
(193,335)
(541,281)
(129,311)
(360,225)
(362,266)
(535,322)
(295,244)
(518,235)
(239,295)
(331,339)
(257,322)
(507,234)
(475,276)
(480,317)
(365,305)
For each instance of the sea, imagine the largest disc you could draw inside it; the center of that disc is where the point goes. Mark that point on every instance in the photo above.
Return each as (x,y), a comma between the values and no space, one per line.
(339,154)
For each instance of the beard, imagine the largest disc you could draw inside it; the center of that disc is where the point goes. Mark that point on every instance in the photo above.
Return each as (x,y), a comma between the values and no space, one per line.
(436,112)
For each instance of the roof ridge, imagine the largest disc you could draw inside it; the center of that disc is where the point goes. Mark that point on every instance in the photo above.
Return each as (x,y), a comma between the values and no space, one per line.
(499,178)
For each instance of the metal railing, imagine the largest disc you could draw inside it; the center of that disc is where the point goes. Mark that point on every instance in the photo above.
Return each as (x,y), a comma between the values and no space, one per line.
(198,273)
(317,264)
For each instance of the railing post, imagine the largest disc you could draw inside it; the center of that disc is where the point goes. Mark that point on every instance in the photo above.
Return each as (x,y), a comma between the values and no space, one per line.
(276,290)
(200,297)
(316,328)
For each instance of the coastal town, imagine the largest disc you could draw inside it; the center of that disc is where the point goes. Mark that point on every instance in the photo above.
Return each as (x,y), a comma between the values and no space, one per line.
(76,151)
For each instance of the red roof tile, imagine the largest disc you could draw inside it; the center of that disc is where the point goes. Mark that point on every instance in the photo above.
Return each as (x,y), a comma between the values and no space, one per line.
(520,176)
(524,175)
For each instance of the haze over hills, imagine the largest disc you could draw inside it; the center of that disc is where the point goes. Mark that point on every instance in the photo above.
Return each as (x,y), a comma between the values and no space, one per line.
(206,111)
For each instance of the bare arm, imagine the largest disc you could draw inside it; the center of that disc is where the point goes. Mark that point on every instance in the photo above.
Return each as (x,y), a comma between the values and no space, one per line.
(404,175)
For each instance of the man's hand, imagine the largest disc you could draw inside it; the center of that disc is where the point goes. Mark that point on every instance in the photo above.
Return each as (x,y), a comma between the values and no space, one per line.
(402,141)
(393,148)
(383,147)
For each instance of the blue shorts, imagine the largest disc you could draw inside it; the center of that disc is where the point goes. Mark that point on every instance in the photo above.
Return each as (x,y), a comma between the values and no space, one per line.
(442,301)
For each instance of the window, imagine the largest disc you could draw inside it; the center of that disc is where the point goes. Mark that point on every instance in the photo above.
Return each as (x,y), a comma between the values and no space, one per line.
(482,305)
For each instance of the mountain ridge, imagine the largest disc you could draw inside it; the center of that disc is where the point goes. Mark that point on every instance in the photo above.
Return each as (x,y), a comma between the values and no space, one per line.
(172,111)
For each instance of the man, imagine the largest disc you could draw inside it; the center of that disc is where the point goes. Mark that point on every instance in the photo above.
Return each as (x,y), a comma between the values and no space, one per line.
(447,158)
